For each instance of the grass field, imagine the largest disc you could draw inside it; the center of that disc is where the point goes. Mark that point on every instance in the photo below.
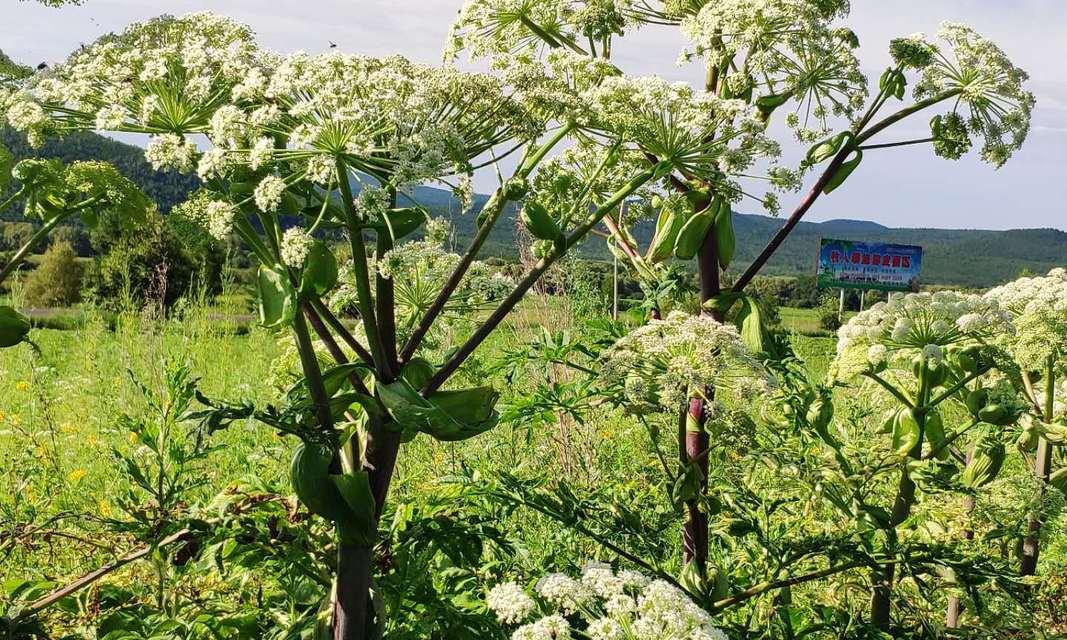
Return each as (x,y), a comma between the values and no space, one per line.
(60,410)
(62,429)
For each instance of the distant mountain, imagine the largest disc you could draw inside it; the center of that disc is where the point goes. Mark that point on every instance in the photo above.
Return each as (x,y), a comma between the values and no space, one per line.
(959,257)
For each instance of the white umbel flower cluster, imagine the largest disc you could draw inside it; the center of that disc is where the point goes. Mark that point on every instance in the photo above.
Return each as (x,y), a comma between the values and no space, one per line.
(171,151)
(916,323)
(268,193)
(510,603)
(295,246)
(623,605)
(664,361)
(120,81)
(989,85)
(783,47)
(1038,307)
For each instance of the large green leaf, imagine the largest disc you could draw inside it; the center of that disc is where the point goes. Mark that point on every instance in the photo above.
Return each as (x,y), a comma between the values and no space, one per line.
(843,172)
(750,322)
(14,327)
(446,415)
(668,225)
(724,234)
(359,526)
(403,221)
(692,234)
(277,299)
(320,270)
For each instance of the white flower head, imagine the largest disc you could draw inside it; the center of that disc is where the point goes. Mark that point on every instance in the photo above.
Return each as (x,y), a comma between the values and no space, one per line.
(171,151)
(268,193)
(510,603)
(295,246)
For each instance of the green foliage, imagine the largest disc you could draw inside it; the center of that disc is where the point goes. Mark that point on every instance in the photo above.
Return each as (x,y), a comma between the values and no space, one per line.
(165,188)
(57,280)
(829,312)
(158,262)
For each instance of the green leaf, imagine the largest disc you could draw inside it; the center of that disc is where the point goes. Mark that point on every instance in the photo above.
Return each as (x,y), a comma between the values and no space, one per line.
(725,239)
(985,464)
(691,235)
(417,372)
(14,327)
(404,221)
(843,172)
(277,299)
(767,104)
(446,415)
(310,476)
(359,526)
(723,302)
(320,270)
(906,434)
(828,148)
(474,406)
(662,169)
(539,223)
(935,435)
(750,322)
(668,225)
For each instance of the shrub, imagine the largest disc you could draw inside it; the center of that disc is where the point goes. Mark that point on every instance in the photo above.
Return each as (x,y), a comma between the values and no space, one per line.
(57,281)
(828,312)
(156,262)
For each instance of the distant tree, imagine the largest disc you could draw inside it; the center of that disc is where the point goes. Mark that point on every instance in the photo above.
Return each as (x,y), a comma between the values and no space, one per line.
(56,282)
(829,318)
(805,293)
(155,264)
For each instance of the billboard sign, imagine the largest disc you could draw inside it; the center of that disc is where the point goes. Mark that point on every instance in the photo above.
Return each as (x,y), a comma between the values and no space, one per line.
(863,265)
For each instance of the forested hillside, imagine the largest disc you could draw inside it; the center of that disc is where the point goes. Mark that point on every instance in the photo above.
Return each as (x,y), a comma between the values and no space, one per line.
(965,257)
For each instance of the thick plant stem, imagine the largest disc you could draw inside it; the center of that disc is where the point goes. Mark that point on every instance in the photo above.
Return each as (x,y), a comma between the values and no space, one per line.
(385,297)
(312,374)
(695,437)
(352,590)
(882,578)
(324,312)
(1032,543)
(364,299)
(352,596)
(1042,470)
(952,615)
(695,445)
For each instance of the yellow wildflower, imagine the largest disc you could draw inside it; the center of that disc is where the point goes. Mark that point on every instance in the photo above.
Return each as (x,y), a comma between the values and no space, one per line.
(133,437)
(74,476)
(104,507)
(22,385)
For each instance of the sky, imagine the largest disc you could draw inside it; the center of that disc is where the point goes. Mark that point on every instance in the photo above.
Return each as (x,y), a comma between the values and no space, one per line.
(902,187)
